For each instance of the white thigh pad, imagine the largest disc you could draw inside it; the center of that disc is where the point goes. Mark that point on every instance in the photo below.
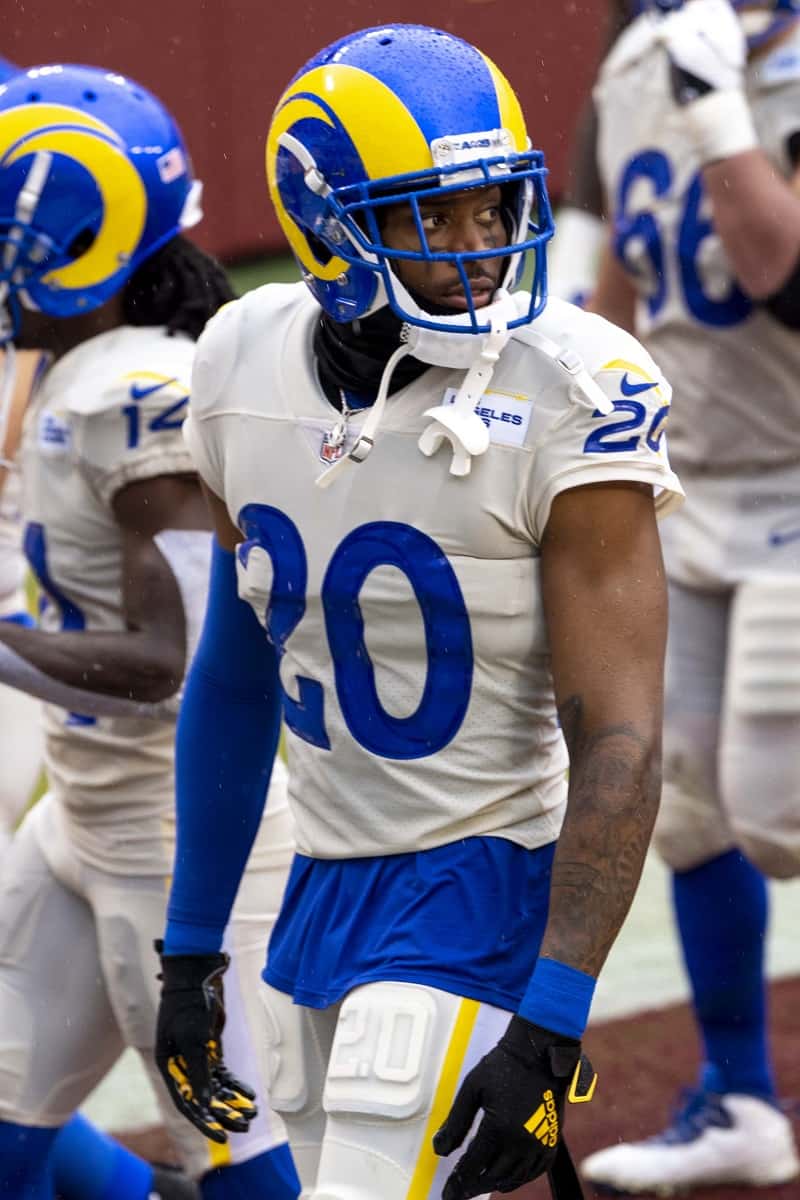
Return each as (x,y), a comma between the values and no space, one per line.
(296,1046)
(400,1052)
(295,1052)
(381,1061)
(764,654)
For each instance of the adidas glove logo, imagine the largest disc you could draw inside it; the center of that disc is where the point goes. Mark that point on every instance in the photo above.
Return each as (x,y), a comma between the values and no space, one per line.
(544,1122)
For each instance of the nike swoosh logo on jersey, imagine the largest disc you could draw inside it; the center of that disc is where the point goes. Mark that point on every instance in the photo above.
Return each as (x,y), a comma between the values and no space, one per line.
(780,537)
(633,389)
(139,393)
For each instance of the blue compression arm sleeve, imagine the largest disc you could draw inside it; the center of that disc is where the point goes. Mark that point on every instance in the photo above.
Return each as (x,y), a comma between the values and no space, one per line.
(226,741)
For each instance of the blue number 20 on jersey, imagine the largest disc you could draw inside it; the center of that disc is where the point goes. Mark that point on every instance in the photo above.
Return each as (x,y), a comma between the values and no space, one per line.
(448,638)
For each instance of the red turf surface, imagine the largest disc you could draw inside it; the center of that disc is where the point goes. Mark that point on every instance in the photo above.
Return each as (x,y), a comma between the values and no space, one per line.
(642,1062)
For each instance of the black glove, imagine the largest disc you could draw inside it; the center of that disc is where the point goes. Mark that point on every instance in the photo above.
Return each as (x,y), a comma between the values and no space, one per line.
(521,1085)
(191,1017)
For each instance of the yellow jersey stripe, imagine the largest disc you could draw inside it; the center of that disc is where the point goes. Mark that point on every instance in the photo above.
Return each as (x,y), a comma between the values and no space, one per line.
(427,1161)
(156,377)
(622,364)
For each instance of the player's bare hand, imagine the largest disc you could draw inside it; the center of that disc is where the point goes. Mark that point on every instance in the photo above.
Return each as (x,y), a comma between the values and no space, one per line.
(191,1017)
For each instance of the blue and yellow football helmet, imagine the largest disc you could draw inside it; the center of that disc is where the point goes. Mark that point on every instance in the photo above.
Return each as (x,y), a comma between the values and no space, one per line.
(394,115)
(94,177)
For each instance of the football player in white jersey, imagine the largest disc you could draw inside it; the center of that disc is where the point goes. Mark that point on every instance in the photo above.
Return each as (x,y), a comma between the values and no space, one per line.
(20,736)
(95,187)
(699,151)
(20,733)
(439,500)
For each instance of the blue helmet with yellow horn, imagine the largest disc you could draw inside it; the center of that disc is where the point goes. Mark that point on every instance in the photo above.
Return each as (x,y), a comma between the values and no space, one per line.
(393,115)
(94,178)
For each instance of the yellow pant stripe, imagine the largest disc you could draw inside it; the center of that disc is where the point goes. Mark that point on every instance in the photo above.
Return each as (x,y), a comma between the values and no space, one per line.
(427,1161)
(219,1154)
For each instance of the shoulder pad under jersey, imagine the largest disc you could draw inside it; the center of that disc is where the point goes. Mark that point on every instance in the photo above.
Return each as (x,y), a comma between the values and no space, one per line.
(221,343)
(591,337)
(635,41)
(144,359)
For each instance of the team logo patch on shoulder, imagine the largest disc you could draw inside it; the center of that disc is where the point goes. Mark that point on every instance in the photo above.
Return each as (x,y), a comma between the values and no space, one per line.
(54,434)
(506,415)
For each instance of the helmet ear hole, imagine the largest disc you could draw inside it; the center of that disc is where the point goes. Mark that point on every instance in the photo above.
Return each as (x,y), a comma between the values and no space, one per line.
(81,243)
(318,248)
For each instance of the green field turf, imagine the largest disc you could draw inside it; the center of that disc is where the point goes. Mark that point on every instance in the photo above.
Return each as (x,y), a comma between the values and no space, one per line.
(280,268)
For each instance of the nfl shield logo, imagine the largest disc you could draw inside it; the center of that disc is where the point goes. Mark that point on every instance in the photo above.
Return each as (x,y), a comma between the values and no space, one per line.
(332,447)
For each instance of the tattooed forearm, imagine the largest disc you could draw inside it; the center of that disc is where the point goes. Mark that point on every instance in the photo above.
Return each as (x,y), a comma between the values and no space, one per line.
(614,787)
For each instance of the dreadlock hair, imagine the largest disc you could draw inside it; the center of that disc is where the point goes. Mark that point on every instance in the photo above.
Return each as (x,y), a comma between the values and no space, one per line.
(179,286)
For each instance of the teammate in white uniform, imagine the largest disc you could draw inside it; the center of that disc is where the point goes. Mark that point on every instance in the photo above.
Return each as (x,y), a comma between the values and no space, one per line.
(20,733)
(20,736)
(95,186)
(699,151)
(480,559)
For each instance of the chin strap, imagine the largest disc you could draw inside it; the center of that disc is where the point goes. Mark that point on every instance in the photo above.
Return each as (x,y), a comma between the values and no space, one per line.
(458,423)
(582,389)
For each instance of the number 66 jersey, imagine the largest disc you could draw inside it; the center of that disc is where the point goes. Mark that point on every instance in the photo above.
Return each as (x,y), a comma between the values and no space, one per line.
(403,600)
(736,396)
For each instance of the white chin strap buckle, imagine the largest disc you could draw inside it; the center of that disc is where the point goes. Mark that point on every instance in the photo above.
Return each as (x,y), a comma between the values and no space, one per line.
(458,423)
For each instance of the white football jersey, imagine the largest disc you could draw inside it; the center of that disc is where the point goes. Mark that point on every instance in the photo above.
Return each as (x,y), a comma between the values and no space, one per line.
(733,367)
(12,560)
(108,413)
(404,600)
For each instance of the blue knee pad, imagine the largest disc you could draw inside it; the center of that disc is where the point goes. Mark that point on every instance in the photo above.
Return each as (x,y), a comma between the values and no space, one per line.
(24,1162)
(271,1174)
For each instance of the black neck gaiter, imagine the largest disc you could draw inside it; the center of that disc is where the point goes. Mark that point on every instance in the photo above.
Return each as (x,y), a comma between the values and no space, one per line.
(351,357)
